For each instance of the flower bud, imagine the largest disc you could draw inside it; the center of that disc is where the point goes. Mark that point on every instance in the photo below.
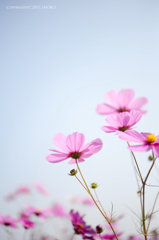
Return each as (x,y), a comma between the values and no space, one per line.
(150,158)
(99,229)
(73,172)
(94,185)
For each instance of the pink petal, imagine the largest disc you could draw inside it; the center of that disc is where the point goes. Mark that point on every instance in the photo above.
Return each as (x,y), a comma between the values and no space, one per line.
(92,148)
(123,119)
(111,120)
(60,141)
(112,98)
(72,161)
(132,136)
(104,108)
(75,141)
(155,149)
(55,158)
(138,103)
(125,97)
(108,129)
(140,148)
(135,116)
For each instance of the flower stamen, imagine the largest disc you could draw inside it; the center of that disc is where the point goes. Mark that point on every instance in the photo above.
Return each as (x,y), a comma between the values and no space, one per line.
(151,138)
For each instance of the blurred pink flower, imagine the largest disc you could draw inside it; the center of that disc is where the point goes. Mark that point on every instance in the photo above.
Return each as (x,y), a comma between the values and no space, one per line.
(41,188)
(122,121)
(19,191)
(82,200)
(121,102)
(8,221)
(148,140)
(59,211)
(73,147)
(42,213)
(80,226)
(27,223)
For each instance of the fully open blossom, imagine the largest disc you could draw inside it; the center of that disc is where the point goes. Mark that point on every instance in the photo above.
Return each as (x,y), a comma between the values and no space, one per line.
(122,122)
(8,221)
(73,147)
(80,226)
(148,141)
(121,102)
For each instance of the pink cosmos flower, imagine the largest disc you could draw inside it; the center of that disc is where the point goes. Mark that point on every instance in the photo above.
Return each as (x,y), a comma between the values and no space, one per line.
(42,213)
(82,200)
(148,140)
(8,221)
(121,102)
(122,121)
(19,191)
(80,226)
(73,147)
(41,189)
(59,211)
(27,223)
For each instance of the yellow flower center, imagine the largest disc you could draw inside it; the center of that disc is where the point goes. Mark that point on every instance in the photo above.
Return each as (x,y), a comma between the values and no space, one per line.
(151,138)
(80,225)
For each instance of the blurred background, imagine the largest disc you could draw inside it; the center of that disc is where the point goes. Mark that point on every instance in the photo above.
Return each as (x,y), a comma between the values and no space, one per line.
(57,62)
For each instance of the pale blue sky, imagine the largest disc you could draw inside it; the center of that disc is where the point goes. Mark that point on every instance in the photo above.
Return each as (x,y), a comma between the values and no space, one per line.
(56,66)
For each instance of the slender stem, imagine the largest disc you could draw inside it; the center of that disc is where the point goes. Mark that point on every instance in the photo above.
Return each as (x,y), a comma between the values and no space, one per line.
(100,203)
(139,188)
(136,163)
(150,169)
(81,183)
(72,236)
(100,236)
(143,212)
(152,211)
(82,177)
(89,192)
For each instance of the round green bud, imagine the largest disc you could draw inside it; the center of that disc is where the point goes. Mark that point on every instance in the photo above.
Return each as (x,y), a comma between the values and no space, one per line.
(150,158)
(99,229)
(94,185)
(73,172)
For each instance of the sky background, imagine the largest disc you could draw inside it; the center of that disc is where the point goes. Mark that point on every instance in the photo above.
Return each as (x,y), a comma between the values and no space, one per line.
(56,66)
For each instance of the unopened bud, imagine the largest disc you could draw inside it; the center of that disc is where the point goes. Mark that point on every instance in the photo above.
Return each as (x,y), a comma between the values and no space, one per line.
(99,229)
(73,172)
(94,185)
(150,158)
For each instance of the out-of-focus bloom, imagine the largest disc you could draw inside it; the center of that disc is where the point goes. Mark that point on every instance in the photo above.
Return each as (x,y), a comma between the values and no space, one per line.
(59,211)
(73,147)
(42,213)
(122,122)
(8,221)
(148,140)
(41,189)
(110,236)
(134,238)
(82,200)
(27,223)
(80,226)
(121,102)
(19,191)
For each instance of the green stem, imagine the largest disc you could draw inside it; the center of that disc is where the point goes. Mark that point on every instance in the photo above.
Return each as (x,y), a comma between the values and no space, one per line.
(95,200)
